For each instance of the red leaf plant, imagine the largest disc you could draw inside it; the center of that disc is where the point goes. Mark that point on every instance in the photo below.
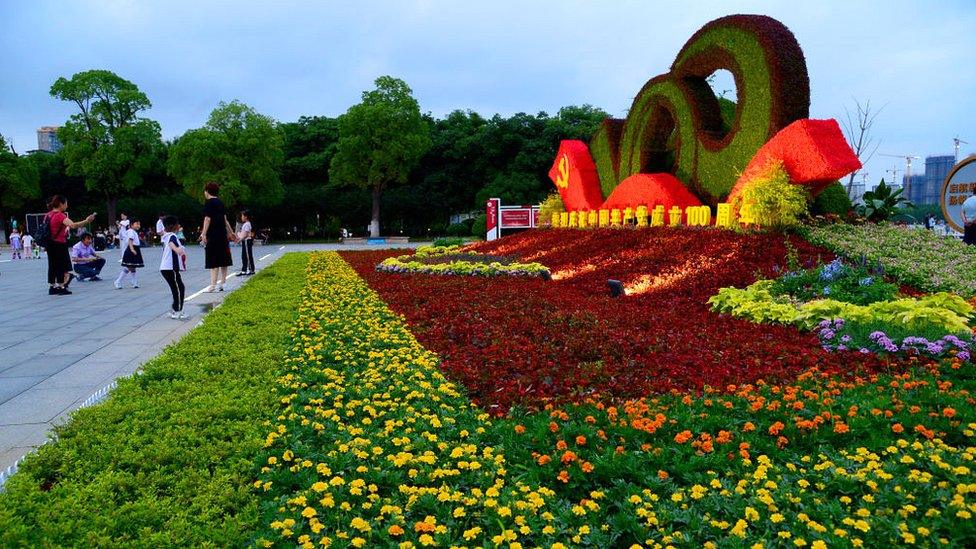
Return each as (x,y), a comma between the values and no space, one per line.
(530,342)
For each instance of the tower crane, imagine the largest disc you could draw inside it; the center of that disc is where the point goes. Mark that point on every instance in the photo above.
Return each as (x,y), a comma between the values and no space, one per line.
(908,171)
(956,141)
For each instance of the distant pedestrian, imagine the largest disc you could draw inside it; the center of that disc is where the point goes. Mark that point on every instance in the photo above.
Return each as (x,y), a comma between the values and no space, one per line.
(160,228)
(216,236)
(131,255)
(58,261)
(246,237)
(16,245)
(969,219)
(172,262)
(28,242)
(930,222)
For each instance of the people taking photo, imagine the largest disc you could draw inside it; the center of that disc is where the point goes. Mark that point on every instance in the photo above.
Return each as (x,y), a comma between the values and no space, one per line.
(59,274)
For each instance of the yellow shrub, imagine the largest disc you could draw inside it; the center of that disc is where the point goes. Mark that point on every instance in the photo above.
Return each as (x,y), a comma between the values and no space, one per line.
(776,203)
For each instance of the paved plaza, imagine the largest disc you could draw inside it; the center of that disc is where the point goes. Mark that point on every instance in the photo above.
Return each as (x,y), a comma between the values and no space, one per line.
(57,351)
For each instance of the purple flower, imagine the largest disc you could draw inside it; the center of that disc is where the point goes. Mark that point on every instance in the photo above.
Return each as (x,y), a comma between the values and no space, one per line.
(842,347)
(963,355)
(827,333)
(845,339)
(875,336)
(864,351)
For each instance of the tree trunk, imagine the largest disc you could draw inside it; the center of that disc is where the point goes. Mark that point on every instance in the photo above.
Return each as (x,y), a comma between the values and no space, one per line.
(374,225)
(110,204)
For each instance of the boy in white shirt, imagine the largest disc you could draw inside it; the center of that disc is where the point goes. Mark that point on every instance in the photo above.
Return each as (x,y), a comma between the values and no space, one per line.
(172,262)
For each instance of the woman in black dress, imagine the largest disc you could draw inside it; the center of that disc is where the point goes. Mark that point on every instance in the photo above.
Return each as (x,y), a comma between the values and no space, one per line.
(215,237)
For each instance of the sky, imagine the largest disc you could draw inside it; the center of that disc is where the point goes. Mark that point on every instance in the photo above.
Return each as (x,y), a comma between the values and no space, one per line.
(290,59)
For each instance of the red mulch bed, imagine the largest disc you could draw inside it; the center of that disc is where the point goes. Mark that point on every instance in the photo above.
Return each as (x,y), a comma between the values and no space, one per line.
(516,341)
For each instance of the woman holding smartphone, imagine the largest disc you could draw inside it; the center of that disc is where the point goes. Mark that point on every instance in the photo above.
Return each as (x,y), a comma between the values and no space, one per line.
(58,260)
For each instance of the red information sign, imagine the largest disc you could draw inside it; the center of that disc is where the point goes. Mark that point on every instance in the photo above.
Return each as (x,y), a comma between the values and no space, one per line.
(516,218)
(491,221)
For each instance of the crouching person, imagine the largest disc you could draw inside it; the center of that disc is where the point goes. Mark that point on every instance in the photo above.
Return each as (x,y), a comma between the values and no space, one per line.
(85,261)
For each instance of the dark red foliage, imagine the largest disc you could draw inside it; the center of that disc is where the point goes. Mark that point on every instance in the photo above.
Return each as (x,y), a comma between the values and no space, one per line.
(527,341)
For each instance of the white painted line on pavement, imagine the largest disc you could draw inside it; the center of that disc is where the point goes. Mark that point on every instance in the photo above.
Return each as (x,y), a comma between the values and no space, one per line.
(281,248)
(205,289)
(264,257)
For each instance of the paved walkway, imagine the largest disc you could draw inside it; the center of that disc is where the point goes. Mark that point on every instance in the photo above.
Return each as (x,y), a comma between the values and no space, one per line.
(56,351)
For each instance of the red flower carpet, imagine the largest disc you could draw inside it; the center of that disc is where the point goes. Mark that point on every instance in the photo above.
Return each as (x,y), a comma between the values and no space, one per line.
(528,341)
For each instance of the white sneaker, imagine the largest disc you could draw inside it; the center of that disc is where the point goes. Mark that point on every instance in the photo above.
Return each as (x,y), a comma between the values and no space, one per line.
(184,316)
(174,315)
(118,286)
(211,289)
(135,285)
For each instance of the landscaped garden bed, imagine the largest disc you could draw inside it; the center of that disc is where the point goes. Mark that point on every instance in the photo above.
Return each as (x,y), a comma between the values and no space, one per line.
(166,461)
(374,447)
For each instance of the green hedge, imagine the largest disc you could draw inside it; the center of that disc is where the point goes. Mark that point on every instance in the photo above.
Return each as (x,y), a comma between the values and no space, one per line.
(167,459)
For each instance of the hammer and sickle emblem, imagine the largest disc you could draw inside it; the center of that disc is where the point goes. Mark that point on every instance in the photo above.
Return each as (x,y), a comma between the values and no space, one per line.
(562,181)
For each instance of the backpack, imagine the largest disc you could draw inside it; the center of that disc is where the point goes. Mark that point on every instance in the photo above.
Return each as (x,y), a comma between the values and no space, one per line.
(42,234)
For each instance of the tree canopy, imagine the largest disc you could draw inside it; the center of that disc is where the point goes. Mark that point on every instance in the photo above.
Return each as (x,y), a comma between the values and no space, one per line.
(238,148)
(106,142)
(381,140)
(19,180)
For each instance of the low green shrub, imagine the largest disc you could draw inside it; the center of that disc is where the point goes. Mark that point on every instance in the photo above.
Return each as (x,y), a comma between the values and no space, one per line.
(480,226)
(460,229)
(833,200)
(448,242)
(166,460)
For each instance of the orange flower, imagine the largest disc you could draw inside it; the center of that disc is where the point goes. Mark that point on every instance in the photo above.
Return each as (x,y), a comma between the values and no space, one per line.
(661,474)
(798,405)
(781,442)
(395,530)
(580,440)
(553,427)
(590,419)
(519,429)
(686,400)
(841,427)
(749,426)
(568,456)
(423,526)
(587,467)
(949,412)
(543,459)
(724,437)
(563,476)
(776,428)
(645,447)
(561,445)
(898,428)
(683,437)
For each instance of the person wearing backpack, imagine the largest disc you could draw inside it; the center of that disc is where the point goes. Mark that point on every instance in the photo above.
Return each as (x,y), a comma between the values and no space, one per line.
(53,235)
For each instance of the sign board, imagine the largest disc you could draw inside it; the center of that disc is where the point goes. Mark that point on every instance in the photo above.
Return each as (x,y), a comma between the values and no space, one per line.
(492,221)
(509,217)
(958,186)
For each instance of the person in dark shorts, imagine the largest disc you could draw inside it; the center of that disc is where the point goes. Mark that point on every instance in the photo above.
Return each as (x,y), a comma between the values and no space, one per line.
(215,237)
(58,259)
(246,237)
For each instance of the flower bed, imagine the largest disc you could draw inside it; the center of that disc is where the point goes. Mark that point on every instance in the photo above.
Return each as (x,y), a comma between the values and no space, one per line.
(166,460)
(526,341)
(451,260)
(862,312)
(373,447)
(915,257)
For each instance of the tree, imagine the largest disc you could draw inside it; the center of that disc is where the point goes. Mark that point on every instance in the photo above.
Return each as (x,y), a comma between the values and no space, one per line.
(107,142)
(380,141)
(19,182)
(238,148)
(857,129)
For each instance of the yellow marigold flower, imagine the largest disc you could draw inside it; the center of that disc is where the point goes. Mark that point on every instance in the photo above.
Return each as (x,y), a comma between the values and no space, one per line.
(472,533)
(309,512)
